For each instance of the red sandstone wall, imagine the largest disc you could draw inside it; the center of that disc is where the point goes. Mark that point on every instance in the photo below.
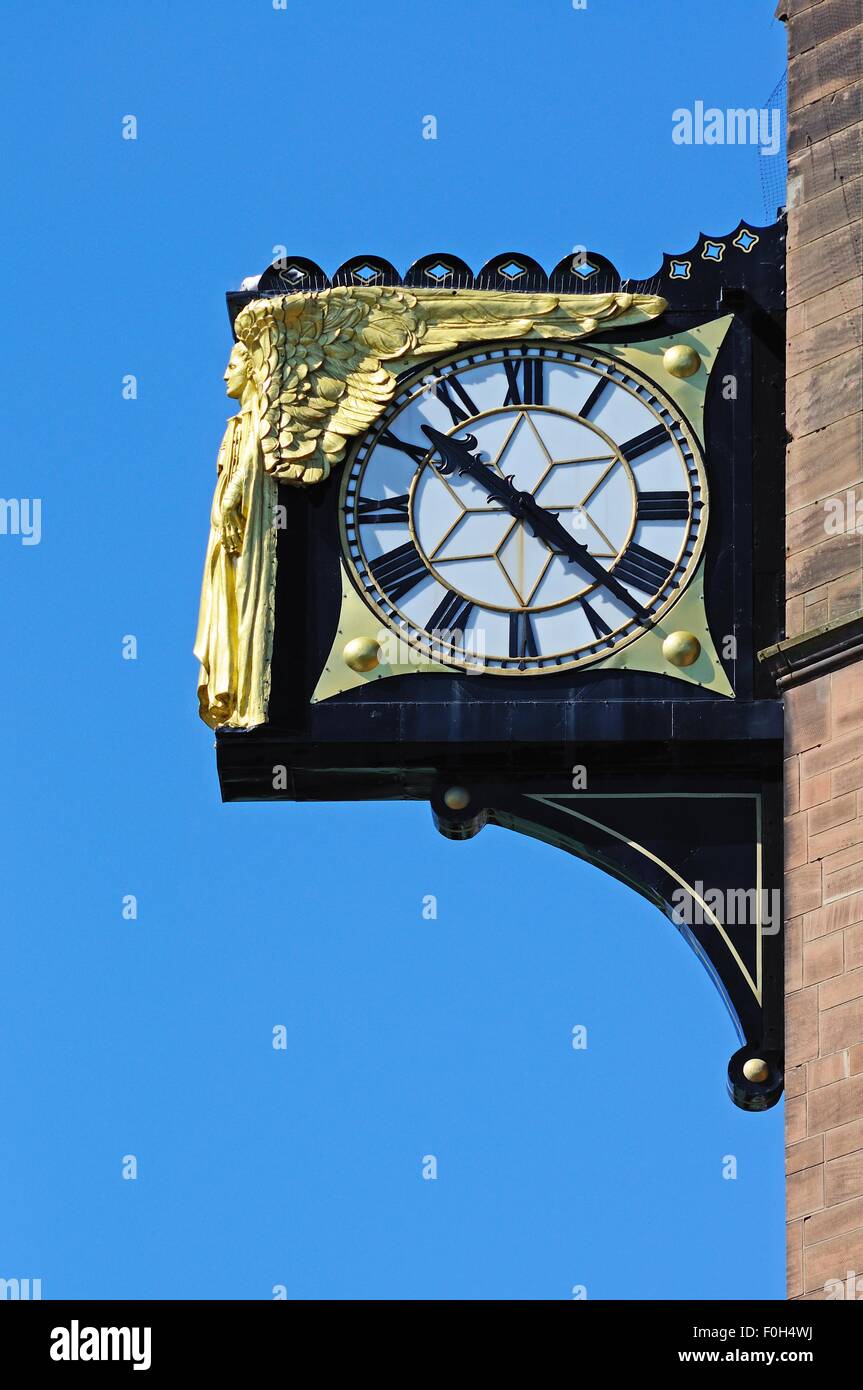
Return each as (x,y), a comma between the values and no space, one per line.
(824,712)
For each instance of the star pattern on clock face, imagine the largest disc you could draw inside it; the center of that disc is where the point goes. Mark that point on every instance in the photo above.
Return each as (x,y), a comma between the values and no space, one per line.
(530,449)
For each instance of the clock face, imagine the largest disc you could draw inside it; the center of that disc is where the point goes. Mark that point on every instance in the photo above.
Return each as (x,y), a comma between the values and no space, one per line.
(524,509)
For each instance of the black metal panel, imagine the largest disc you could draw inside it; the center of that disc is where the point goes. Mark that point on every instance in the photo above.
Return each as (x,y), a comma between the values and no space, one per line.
(747,258)
(309,583)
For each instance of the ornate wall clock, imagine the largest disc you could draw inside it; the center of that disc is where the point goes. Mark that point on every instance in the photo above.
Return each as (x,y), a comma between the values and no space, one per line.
(472,533)
(530,509)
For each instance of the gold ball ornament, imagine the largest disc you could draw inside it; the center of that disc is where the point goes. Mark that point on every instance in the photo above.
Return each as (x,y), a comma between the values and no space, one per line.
(362,653)
(681,648)
(680,360)
(456,798)
(756,1069)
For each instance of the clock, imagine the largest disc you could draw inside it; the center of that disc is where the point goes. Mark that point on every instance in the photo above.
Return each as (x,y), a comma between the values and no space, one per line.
(524,508)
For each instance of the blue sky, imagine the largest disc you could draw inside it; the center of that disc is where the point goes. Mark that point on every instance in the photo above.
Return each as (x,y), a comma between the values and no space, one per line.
(302,1167)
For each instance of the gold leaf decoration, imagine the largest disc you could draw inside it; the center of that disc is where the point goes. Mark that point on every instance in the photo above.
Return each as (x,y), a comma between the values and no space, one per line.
(327,362)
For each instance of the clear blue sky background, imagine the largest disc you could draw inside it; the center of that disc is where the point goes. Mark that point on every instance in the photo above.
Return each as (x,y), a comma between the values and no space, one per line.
(405,1037)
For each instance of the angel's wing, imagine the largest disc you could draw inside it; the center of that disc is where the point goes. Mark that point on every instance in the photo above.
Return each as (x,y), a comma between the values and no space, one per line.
(320,360)
(476,315)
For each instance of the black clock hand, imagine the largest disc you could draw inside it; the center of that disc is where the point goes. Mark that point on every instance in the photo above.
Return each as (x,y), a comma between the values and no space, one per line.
(548,528)
(457,454)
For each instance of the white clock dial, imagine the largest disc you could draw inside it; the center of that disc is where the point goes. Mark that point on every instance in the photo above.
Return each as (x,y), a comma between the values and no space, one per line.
(526,508)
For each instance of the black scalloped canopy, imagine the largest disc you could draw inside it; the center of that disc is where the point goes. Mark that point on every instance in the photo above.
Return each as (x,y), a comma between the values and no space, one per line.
(749,259)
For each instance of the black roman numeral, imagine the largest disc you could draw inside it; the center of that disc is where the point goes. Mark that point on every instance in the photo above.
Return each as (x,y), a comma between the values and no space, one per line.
(643,443)
(598,626)
(594,398)
(459,413)
(413,451)
(529,391)
(663,506)
(387,509)
(399,571)
(522,641)
(451,614)
(643,569)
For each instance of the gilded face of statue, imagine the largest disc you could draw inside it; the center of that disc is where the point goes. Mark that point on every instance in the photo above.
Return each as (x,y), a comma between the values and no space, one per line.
(236,373)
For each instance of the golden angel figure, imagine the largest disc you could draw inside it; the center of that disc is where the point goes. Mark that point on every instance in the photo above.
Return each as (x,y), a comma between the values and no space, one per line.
(311,373)
(235,624)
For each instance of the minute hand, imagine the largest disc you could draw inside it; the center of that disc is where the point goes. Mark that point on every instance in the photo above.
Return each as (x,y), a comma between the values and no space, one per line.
(456,455)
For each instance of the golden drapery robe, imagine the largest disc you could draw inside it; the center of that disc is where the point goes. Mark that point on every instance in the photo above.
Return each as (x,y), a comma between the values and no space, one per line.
(235,625)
